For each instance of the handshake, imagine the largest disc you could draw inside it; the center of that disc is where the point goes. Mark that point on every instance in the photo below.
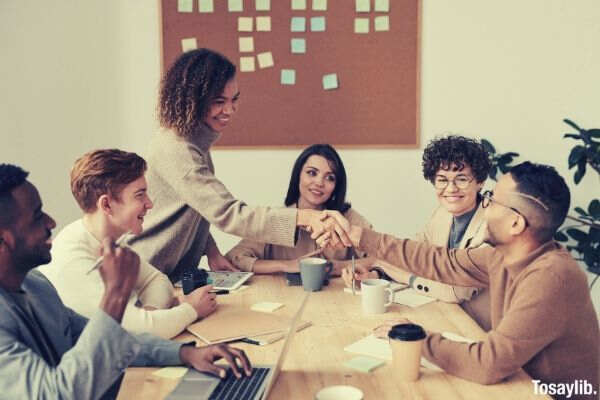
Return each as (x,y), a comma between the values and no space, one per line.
(331,229)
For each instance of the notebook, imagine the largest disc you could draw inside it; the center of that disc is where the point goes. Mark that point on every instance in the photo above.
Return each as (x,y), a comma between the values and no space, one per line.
(197,385)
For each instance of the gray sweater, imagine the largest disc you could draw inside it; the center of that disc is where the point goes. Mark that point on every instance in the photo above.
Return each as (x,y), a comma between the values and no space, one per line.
(188,198)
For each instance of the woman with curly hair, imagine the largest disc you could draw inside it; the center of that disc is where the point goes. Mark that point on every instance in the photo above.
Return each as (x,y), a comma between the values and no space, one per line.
(457,167)
(198,97)
(318,182)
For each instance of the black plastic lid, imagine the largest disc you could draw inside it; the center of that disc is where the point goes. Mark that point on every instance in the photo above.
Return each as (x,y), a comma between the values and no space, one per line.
(407,332)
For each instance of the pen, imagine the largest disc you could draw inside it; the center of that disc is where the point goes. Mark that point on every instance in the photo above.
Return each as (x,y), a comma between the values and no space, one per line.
(98,263)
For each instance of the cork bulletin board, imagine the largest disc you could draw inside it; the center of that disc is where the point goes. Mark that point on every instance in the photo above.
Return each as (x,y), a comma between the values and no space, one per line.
(344,72)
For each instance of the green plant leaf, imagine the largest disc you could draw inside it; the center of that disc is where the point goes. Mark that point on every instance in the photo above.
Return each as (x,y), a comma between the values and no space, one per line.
(561,237)
(572,124)
(577,153)
(578,235)
(580,211)
(580,171)
(488,146)
(594,208)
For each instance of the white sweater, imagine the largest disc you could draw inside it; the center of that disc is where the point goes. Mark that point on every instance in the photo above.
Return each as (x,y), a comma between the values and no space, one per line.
(74,252)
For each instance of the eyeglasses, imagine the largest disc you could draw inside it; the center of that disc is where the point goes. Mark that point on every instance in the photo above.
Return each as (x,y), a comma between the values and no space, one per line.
(461,182)
(488,198)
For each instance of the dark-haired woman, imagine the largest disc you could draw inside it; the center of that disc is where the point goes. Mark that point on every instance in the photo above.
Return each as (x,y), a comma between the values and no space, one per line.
(318,182)
(198,97)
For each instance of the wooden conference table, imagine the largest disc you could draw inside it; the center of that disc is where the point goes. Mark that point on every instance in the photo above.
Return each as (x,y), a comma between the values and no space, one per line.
(317,354)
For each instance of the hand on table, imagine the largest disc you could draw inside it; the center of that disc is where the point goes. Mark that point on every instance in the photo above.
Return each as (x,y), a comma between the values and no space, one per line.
(202,300)
(202,359)
(218,262)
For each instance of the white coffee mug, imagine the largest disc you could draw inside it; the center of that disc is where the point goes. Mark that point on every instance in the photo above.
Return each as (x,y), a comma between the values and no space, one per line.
(373,293)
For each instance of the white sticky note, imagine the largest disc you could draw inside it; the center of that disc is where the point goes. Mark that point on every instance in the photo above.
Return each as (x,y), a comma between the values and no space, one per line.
(298,45)
(363,6)
(298,24)
(186,6)
(206,6)
(265,60)
(319,5)
(247,65)
(245,24)
(288,77)
(382,5)
(263,24)
(266,306)
(235,5)
(246,44)
(330,82)
(361,25)
(263,5)
(170,372)
(188,44)
(382,23)
(298,4)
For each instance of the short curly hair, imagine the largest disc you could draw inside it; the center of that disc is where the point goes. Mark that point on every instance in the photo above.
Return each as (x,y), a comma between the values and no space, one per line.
(194,80)
(458,150)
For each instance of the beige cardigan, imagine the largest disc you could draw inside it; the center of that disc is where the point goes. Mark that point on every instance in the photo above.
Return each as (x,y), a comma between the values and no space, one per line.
(188,198)
(475,302)
(246,252)
(543,319)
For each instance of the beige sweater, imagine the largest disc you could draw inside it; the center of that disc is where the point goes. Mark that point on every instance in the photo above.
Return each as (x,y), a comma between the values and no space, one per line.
(188,198)
(475,302)
(75,251)
(543,319)
(246,252)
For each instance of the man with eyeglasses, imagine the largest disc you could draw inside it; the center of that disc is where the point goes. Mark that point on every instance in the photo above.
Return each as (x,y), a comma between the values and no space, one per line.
(543,319)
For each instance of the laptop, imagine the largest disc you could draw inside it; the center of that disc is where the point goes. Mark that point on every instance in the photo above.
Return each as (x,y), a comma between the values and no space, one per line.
(258,386)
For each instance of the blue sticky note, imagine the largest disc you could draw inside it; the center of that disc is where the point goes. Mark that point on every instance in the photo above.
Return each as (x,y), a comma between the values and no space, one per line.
(317,24)
(330,81)
(298,46)
(288,77)
(298,24)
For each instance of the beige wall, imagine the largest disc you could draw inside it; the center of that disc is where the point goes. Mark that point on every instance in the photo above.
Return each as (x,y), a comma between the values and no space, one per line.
(80,75)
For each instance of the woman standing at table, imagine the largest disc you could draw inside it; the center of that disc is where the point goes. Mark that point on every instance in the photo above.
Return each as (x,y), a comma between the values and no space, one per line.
(457,167)
(198,97)
(318,182)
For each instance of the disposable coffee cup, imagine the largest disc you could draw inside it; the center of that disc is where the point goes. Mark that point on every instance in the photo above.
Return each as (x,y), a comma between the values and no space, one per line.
(313,272)
(376,296)
(406,341)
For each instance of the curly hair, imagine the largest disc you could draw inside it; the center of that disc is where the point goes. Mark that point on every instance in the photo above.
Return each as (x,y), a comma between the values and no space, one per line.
(194,80)
(458,150)
(11,177)
(103,172)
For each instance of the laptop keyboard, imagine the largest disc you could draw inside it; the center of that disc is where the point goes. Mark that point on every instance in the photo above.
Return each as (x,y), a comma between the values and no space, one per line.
(231,388)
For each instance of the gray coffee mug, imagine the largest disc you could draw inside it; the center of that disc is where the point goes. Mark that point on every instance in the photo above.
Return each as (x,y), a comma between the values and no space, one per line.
(313,272)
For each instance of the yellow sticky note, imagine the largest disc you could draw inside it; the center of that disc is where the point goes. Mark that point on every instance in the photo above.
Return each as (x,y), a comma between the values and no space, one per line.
(235,5)
(382,23)
(263,24)
(185,6)
(189,44)
(245,24)
(298,4)
(361,25)
(246,65)
(319,5)
(246,44)
(265,60)
(263,5)
(206,6)
(266,306)
(363,5)
(382,5)
(170,372)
